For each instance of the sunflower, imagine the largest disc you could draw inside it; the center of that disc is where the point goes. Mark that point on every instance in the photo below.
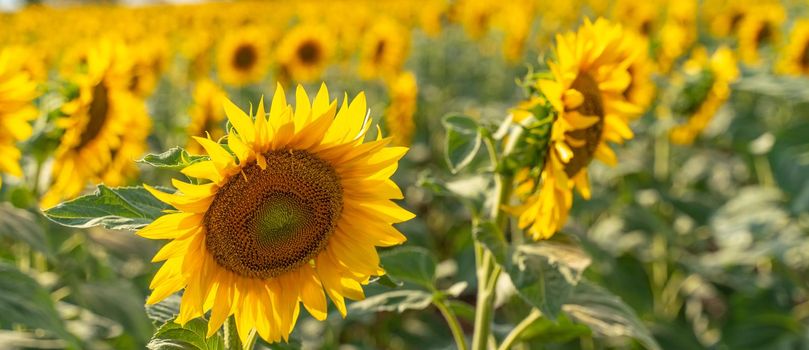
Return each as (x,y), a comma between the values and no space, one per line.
(293,215)
(206,113)
(795,56)
(430,16)
(726,17)
(242,58)
(587,94)
(705,87)
(475,16)
(399,117)
(641,89)
(102,120)
(638,15)
(305,51)
(760,28)
(384,49)
(678,33)
(17,90)
(148,62)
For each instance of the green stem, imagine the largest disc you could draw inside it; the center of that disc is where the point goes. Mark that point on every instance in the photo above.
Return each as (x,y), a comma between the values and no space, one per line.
(452,321)
(512,337)
(488,270)
(232,341)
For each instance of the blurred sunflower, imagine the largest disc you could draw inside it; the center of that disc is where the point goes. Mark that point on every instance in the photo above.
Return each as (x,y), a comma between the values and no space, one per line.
(102,120)
(148,62)
(384,49)
(641,16)
(641,89)
(705,87)
(403,93)
(725,16)
(242,57)
(515,19)
(475,16)
(305,51)
(587,93)
(430,16)
(206,113)
(795,56)
(678,33)
(17,91)
(297,210)
(760,28)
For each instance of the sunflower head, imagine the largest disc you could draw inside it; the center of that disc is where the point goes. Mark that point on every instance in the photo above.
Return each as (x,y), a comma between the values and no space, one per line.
(290,215)
(758,29)
(16,110)
(105,124)
(384,49)
(403,92)
(795,56)
(305,51)
(242,57)
(587,95)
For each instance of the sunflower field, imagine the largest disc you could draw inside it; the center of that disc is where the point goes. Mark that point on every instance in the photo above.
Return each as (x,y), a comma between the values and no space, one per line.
(392,174)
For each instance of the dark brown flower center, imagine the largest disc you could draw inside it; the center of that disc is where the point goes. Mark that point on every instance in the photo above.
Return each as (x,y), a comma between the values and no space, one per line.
(97,114)
(379,52)
(309,52)
(592,106)
(804,60)
(263,223)
(764,34)
(245,57)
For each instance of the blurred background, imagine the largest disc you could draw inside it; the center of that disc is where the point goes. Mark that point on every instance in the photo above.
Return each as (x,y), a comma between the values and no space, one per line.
(701,228)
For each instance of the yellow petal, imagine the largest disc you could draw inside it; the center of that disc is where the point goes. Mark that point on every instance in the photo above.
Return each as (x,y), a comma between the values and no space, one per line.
(240,121)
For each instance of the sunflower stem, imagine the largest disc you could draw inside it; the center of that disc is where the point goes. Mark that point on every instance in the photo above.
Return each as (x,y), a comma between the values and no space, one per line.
(488,270)
(515,333)
(232,341)
(452,321)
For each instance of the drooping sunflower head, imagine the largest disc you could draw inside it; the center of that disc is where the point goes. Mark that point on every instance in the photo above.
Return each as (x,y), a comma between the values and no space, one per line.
(98,124)
(705,88)
(305,51)
(18,90)
(207,116)
(795,56)
(291,214)
(384,48)
(590,75)
(242,57)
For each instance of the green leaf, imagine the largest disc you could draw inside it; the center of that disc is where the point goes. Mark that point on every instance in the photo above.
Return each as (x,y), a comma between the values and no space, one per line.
(22,225)
(121,208)
(397,300)
(462,141)
(164,311)
(607,315)
(24,302)
(173,159)
(543,273)
(387,281)
(172,336)
(410,264)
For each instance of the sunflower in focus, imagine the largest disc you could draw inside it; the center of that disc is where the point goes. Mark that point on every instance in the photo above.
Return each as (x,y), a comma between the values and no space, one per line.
(206,113)
(17,91)
(705,88)
(384,49)
(104,123)
(760,28)
(795,56)
(242,57)
(590,77)
(403,93)
(305,51)
(293,215)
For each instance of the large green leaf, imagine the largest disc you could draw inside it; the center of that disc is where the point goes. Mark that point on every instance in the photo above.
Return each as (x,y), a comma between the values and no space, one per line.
(396,300)
(22,225)
(606,314)
(174,159)
(121,208)
(24,302)
(543,273)
(165,310)
(172,336)
(410,264)
(463,141)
